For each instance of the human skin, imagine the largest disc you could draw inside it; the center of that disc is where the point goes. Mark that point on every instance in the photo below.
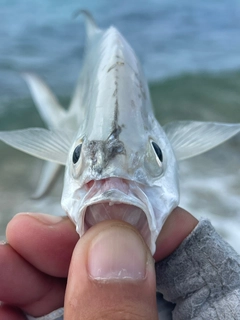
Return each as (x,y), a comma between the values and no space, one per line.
(44,261)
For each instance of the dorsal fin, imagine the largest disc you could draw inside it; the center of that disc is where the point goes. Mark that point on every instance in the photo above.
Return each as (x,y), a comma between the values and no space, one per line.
(91,26)
(52,113)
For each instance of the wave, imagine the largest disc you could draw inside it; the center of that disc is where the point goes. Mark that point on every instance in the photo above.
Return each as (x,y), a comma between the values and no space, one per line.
(203,97)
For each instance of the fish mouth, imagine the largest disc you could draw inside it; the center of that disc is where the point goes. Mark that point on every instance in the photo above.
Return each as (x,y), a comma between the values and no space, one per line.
(131,214)
(116,199)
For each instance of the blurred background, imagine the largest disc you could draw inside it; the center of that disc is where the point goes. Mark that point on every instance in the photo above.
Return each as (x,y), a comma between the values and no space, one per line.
(190,52)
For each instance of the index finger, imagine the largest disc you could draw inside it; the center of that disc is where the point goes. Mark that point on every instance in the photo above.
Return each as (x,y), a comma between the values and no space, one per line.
(177,227)
(45,241)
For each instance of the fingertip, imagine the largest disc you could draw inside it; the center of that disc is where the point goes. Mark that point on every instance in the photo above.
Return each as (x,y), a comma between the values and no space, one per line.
(177,227)
(117,254)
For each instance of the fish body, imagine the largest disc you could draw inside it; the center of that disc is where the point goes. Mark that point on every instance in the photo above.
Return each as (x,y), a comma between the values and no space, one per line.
(117,138)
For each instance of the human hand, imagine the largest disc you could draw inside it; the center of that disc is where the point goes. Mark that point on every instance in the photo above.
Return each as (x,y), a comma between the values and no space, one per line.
(35,263)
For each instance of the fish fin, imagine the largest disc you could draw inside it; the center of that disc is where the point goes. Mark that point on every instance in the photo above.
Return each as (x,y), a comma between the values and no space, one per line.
(46,102)
(91,26)
(41,143)
(91,30)
(190,138)
(49,174)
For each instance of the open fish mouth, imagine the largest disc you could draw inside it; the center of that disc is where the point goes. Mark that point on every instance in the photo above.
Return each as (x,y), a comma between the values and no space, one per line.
(118,211)
(115,199)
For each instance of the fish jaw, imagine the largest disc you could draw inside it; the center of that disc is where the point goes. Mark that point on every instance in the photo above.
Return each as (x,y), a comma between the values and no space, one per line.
(120,199)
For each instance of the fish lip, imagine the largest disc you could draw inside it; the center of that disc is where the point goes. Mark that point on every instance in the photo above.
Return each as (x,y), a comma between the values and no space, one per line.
(118,191)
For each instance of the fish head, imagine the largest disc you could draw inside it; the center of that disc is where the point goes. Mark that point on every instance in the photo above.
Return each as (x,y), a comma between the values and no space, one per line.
(124,176)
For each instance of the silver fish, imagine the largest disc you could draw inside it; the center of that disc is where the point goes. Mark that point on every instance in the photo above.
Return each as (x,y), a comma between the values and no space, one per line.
(120,163)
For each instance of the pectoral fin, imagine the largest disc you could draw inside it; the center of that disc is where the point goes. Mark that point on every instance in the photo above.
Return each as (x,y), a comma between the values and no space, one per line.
(190,138)
(41,143)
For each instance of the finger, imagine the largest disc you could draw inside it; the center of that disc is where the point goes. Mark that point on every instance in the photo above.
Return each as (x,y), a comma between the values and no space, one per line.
(11,313)
(24,286)
(46,241)
(177,227)
(111,276)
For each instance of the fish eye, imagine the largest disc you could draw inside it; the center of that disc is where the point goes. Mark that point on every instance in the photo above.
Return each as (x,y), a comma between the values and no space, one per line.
(158,152)
(76,153)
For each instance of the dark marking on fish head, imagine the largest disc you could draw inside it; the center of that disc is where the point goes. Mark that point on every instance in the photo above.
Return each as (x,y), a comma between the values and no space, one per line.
(115,93)
(115,116)
(113,145)
(101,152)
(115,65)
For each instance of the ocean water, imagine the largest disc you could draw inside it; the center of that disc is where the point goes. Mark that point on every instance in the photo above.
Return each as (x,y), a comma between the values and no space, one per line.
(190,52)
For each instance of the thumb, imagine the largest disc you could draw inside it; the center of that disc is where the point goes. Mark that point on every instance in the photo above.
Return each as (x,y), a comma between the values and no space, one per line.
(111,276)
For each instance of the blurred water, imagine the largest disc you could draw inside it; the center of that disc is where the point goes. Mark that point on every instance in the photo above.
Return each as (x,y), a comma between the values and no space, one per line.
(190,51)
(170,37)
